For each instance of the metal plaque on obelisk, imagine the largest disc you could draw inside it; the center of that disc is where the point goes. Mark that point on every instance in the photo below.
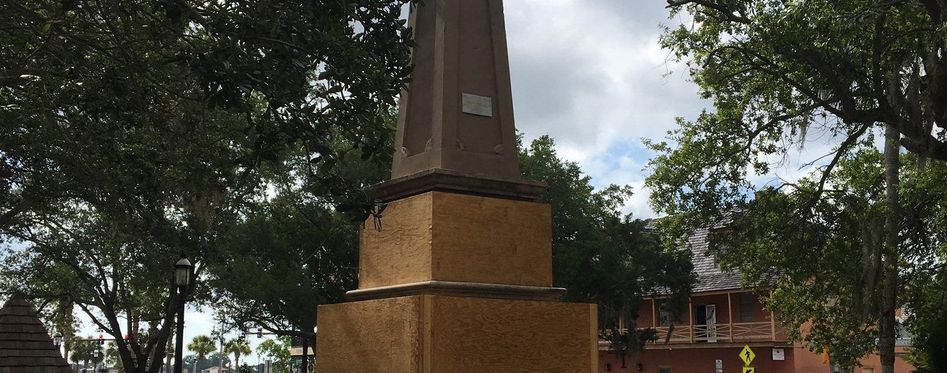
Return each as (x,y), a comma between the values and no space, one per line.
(459,279)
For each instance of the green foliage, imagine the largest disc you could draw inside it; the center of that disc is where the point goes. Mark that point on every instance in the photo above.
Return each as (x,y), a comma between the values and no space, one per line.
(927,294)
(601,255)
(298,249)
(111,356)
(84,352)
(238,347)
(202,346)
(776,73)
(776,69)
(287,258)
(133,132)
(277,351)
(929,323)
(837,290)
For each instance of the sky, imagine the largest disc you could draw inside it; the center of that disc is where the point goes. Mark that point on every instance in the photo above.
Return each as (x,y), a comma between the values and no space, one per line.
(592,75)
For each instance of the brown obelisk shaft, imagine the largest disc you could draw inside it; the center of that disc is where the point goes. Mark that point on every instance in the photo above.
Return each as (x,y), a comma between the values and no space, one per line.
(458,111)
(458,275)
(455,126)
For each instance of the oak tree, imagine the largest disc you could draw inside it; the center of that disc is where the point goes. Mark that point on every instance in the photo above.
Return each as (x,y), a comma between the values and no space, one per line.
(602,255)
(778,71)
(133,132)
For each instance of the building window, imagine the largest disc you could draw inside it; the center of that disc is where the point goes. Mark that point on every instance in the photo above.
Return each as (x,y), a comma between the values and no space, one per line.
(747,305)
(664,369)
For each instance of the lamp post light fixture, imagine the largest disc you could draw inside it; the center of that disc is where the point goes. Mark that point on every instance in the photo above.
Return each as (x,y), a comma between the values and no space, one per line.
(182,272)
(182,280)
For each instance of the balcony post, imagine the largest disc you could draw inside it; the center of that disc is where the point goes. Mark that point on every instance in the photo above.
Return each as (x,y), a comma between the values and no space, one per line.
(654,313)
(772,323)
(730,316)
(690,315)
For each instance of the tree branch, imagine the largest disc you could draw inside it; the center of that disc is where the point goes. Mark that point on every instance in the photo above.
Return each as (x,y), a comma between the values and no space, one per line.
(843,148)
(730,14)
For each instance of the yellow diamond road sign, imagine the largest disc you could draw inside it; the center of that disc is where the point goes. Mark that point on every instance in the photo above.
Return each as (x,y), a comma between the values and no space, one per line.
(749,370)
(747,355)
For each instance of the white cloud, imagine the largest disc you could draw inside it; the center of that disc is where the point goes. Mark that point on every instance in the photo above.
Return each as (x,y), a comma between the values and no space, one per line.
(593,76)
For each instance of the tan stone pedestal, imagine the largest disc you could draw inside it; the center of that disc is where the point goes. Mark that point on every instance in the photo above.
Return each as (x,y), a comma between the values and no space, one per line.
(457,283)
(438,236)
(442,334)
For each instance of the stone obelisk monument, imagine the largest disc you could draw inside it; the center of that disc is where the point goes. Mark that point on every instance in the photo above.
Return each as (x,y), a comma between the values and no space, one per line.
(458,275)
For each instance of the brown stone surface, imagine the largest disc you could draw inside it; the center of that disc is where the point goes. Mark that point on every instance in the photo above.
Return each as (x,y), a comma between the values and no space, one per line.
(493,240)
(438,334)
(460,49)
(371,336)
(401,252)
(493,335)
(460,238)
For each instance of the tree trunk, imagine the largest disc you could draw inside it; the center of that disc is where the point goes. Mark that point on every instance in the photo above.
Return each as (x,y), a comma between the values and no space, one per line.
(305,362)
(887,324)
(220,356)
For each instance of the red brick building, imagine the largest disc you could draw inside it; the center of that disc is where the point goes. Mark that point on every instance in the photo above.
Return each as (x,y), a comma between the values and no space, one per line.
(721,319)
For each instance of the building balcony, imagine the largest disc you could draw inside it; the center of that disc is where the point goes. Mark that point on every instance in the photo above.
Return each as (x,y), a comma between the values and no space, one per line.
(741,332)
(712,319)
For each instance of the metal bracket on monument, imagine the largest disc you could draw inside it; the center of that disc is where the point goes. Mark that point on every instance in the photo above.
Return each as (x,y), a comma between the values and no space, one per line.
(459,289)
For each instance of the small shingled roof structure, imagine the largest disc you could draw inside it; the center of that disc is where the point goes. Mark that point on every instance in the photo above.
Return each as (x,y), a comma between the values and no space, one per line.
(25,345)
(709,275)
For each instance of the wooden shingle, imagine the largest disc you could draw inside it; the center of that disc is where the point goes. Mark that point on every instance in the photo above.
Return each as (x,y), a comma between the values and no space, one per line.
(25,345)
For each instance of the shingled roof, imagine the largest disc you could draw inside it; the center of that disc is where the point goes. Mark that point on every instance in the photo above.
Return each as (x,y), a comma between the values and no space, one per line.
(709,275)
(25,345)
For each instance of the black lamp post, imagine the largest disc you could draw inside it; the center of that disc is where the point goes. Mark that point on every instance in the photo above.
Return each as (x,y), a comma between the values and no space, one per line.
(182,279)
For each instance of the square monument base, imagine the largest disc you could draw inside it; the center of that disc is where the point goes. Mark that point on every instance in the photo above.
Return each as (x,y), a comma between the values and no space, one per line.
(440,236)
(444,334)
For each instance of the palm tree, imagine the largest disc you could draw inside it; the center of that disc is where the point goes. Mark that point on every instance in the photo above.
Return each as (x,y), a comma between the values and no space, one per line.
(238,347)
(202,346)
